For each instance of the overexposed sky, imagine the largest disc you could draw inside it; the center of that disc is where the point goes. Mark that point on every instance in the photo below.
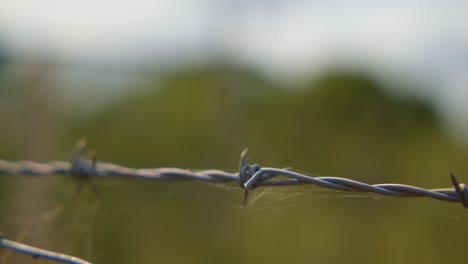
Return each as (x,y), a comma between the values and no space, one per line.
(422,40)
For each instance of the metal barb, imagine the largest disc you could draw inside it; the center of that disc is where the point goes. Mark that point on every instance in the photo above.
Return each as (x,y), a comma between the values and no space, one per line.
(243,176)
(83,170)
(462,191)
(242,164)
(249,177)
(246,171)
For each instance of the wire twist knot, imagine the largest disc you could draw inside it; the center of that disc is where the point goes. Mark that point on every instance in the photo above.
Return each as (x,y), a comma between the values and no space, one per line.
(81,168)
(246,171)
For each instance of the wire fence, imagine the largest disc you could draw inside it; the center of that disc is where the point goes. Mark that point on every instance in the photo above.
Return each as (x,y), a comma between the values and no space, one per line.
(39,253)
(249,177)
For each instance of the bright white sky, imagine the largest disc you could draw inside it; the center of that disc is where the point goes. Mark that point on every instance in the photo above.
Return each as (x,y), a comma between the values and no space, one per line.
(423,40)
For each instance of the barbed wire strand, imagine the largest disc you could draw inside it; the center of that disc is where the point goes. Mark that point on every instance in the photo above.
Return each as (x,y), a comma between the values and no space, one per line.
(249,177)
(39,253)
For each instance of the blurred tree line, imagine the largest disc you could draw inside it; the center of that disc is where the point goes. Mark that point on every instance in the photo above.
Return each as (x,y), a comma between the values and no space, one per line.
(343,124)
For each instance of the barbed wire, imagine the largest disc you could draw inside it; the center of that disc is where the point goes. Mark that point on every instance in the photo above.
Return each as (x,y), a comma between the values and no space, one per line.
(249,177)
(39,253)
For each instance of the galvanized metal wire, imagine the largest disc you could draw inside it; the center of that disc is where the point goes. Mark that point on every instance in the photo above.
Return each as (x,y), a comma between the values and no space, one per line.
(38,252)
(248,177)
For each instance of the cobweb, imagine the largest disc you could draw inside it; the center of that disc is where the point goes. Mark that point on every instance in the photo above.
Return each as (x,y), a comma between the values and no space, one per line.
(126,212)
(35,213)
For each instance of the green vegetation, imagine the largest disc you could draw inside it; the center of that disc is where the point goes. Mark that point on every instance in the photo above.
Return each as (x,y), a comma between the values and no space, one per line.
(343,124)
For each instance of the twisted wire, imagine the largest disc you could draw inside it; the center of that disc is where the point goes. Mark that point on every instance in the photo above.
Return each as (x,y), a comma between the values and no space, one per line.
(39,253)
(249,177)
(105,169)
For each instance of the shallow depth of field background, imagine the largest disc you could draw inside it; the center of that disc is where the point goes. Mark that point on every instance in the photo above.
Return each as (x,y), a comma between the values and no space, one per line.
(376,93)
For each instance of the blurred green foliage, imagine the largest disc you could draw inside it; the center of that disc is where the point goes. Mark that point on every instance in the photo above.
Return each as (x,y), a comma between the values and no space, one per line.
(343,124)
